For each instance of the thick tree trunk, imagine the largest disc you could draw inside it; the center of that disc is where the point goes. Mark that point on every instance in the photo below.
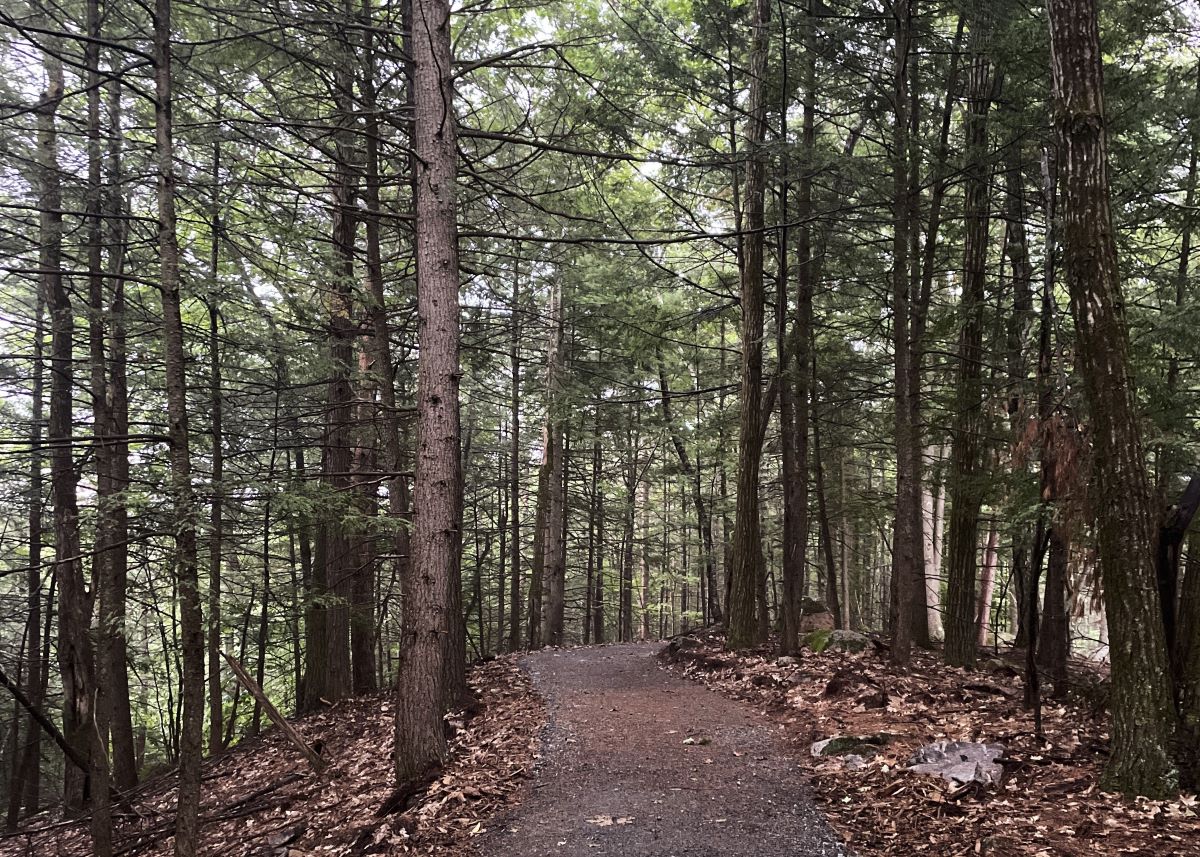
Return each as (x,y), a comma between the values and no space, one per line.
(420,735)
(1142,713)
(745,626)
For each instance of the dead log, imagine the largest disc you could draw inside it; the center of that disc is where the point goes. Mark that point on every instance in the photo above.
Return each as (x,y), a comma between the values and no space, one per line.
(315,761)
(46,723)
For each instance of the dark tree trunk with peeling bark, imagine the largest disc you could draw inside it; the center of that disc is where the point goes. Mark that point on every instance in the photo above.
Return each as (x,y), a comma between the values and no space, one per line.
(437,494)
(1141,706)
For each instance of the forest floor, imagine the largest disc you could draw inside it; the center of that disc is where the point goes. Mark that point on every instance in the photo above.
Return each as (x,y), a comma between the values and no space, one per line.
(1047,804)
(261,800)
(637,762)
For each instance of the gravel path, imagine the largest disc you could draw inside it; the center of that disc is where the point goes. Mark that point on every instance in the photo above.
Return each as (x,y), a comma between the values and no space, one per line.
(637,762)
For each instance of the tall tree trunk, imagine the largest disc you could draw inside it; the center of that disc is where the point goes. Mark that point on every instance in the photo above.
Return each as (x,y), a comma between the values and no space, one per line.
(380,343)
(328,674)
(906,572)
(420,737)
(537,571)
(966,478)
(104,593)
(555,568)
(1142,713)
(74,607)
(632,477)
(745,628)
(123,752)
(514,465)
(832,595)
(644,562)
(27,770)
(216,534)
(1020,322)
(187,822)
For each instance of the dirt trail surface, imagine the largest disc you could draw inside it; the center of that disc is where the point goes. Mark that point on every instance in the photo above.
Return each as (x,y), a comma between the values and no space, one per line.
(637,762)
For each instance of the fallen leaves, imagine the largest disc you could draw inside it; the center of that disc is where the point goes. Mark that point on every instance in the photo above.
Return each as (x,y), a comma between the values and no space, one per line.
(1047,804)
(261,800)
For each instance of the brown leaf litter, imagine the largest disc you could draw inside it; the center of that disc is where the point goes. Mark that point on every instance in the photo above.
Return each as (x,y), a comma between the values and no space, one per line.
(1049,802)
(261,800)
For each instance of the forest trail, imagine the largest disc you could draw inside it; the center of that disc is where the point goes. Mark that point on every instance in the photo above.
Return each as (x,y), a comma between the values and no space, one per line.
(640,763)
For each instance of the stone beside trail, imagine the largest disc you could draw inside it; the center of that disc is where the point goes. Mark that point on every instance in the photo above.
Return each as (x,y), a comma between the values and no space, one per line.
(637,762)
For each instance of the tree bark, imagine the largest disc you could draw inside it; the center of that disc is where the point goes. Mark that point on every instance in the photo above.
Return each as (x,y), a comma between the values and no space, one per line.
(514,465)
(1142,713)
(25,789)
(216,534)
(104,589)
(966,477)
(905,573)
(187,826)
(420,737)
(555,566)
(745,630)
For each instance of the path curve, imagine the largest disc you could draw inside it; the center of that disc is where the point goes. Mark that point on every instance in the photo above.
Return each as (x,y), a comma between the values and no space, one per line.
(638,762)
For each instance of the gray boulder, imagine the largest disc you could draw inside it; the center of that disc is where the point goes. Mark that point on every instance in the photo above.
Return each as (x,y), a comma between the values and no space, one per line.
(960,762)
(843,641)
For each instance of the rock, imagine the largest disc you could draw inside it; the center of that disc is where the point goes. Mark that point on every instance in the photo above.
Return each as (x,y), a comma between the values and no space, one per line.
(847,745)
(999,665)
(816,622)
(787,661)
(812,605)
(854,762)
(959,762)
(875,699)
(844,641)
